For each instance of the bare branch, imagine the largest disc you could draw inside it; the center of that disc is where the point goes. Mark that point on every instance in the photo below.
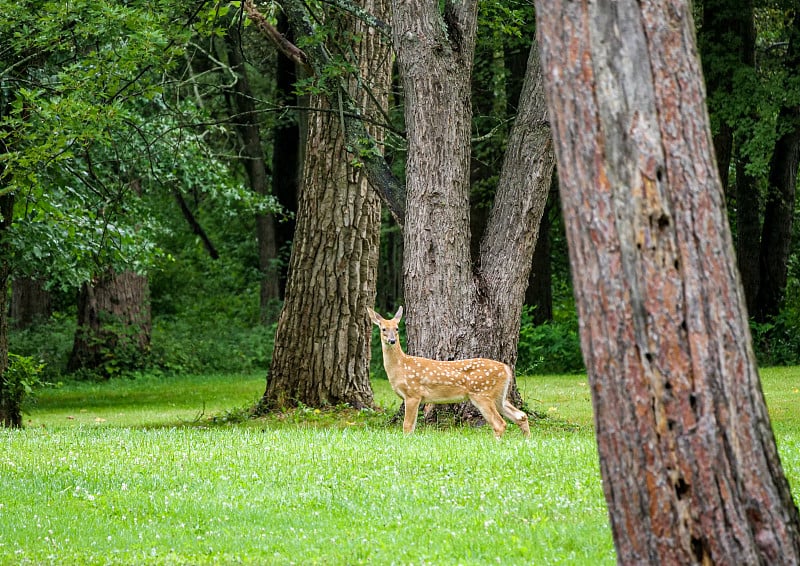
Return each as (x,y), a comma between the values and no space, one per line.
(285,46)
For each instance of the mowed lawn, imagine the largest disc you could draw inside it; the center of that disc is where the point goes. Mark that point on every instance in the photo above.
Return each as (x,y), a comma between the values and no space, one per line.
(165,471)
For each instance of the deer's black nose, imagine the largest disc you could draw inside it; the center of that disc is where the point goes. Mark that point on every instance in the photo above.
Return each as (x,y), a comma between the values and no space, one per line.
(391,341)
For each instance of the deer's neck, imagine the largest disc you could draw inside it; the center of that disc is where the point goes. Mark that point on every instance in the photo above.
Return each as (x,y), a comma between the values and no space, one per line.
(393,356)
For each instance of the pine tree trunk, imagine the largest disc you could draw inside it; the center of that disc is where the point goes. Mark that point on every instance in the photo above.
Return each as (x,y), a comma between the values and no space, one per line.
(114,323)
(322,345)
(690,468)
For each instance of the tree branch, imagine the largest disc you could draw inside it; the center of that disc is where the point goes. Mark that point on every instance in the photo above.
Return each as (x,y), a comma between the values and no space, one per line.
(197,229)
(285,46)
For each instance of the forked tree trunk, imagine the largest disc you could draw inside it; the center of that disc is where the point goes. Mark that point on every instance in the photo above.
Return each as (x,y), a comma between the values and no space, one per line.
(114,322)
(457,309)
(690,468)
(321,355)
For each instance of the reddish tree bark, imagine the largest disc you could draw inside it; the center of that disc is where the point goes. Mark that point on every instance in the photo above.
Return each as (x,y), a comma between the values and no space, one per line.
(690,468)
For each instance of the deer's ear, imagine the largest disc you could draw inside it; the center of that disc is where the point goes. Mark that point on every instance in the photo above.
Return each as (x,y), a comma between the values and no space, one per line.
(375,317)
(399,314)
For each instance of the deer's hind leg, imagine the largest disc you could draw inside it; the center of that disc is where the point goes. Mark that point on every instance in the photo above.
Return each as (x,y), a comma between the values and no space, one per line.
(515,415)
(487,408)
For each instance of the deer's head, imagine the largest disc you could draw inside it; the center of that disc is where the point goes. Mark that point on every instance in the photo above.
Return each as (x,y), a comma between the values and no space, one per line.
(389,333)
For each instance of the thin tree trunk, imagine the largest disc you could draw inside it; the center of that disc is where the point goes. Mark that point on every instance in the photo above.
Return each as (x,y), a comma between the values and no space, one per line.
(286,151)
(322,352)
(390,270)
(539,293)
(690,468)
(748,233)
(255,165)
(776,237)
(10,413)
(194,225)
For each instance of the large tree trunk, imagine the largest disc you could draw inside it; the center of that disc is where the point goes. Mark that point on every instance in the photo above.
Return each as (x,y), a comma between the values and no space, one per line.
(539,293)
(30,302)
(456,309)
(246,122)
(114,323)
(434,55)
(690,468)
(322,351)
(776,237)
(10,413)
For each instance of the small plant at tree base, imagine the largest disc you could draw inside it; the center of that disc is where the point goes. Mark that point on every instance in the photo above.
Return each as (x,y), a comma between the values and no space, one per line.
(17,382)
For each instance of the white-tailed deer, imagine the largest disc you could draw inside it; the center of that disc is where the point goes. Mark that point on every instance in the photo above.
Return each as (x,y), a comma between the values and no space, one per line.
(420,380)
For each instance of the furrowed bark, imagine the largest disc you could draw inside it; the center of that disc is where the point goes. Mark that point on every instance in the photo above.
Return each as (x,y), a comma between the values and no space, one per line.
(690,468)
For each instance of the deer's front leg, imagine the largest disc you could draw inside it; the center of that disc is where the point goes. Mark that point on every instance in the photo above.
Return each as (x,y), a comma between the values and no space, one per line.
(410,421)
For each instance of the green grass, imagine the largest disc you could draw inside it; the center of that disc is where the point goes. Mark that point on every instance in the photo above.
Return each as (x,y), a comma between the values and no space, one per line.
(141,472)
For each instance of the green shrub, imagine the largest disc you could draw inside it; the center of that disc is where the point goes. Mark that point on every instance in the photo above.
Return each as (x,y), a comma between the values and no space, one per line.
(181,346)
(553,347)
(777,343)
(50,341)
(17,384)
